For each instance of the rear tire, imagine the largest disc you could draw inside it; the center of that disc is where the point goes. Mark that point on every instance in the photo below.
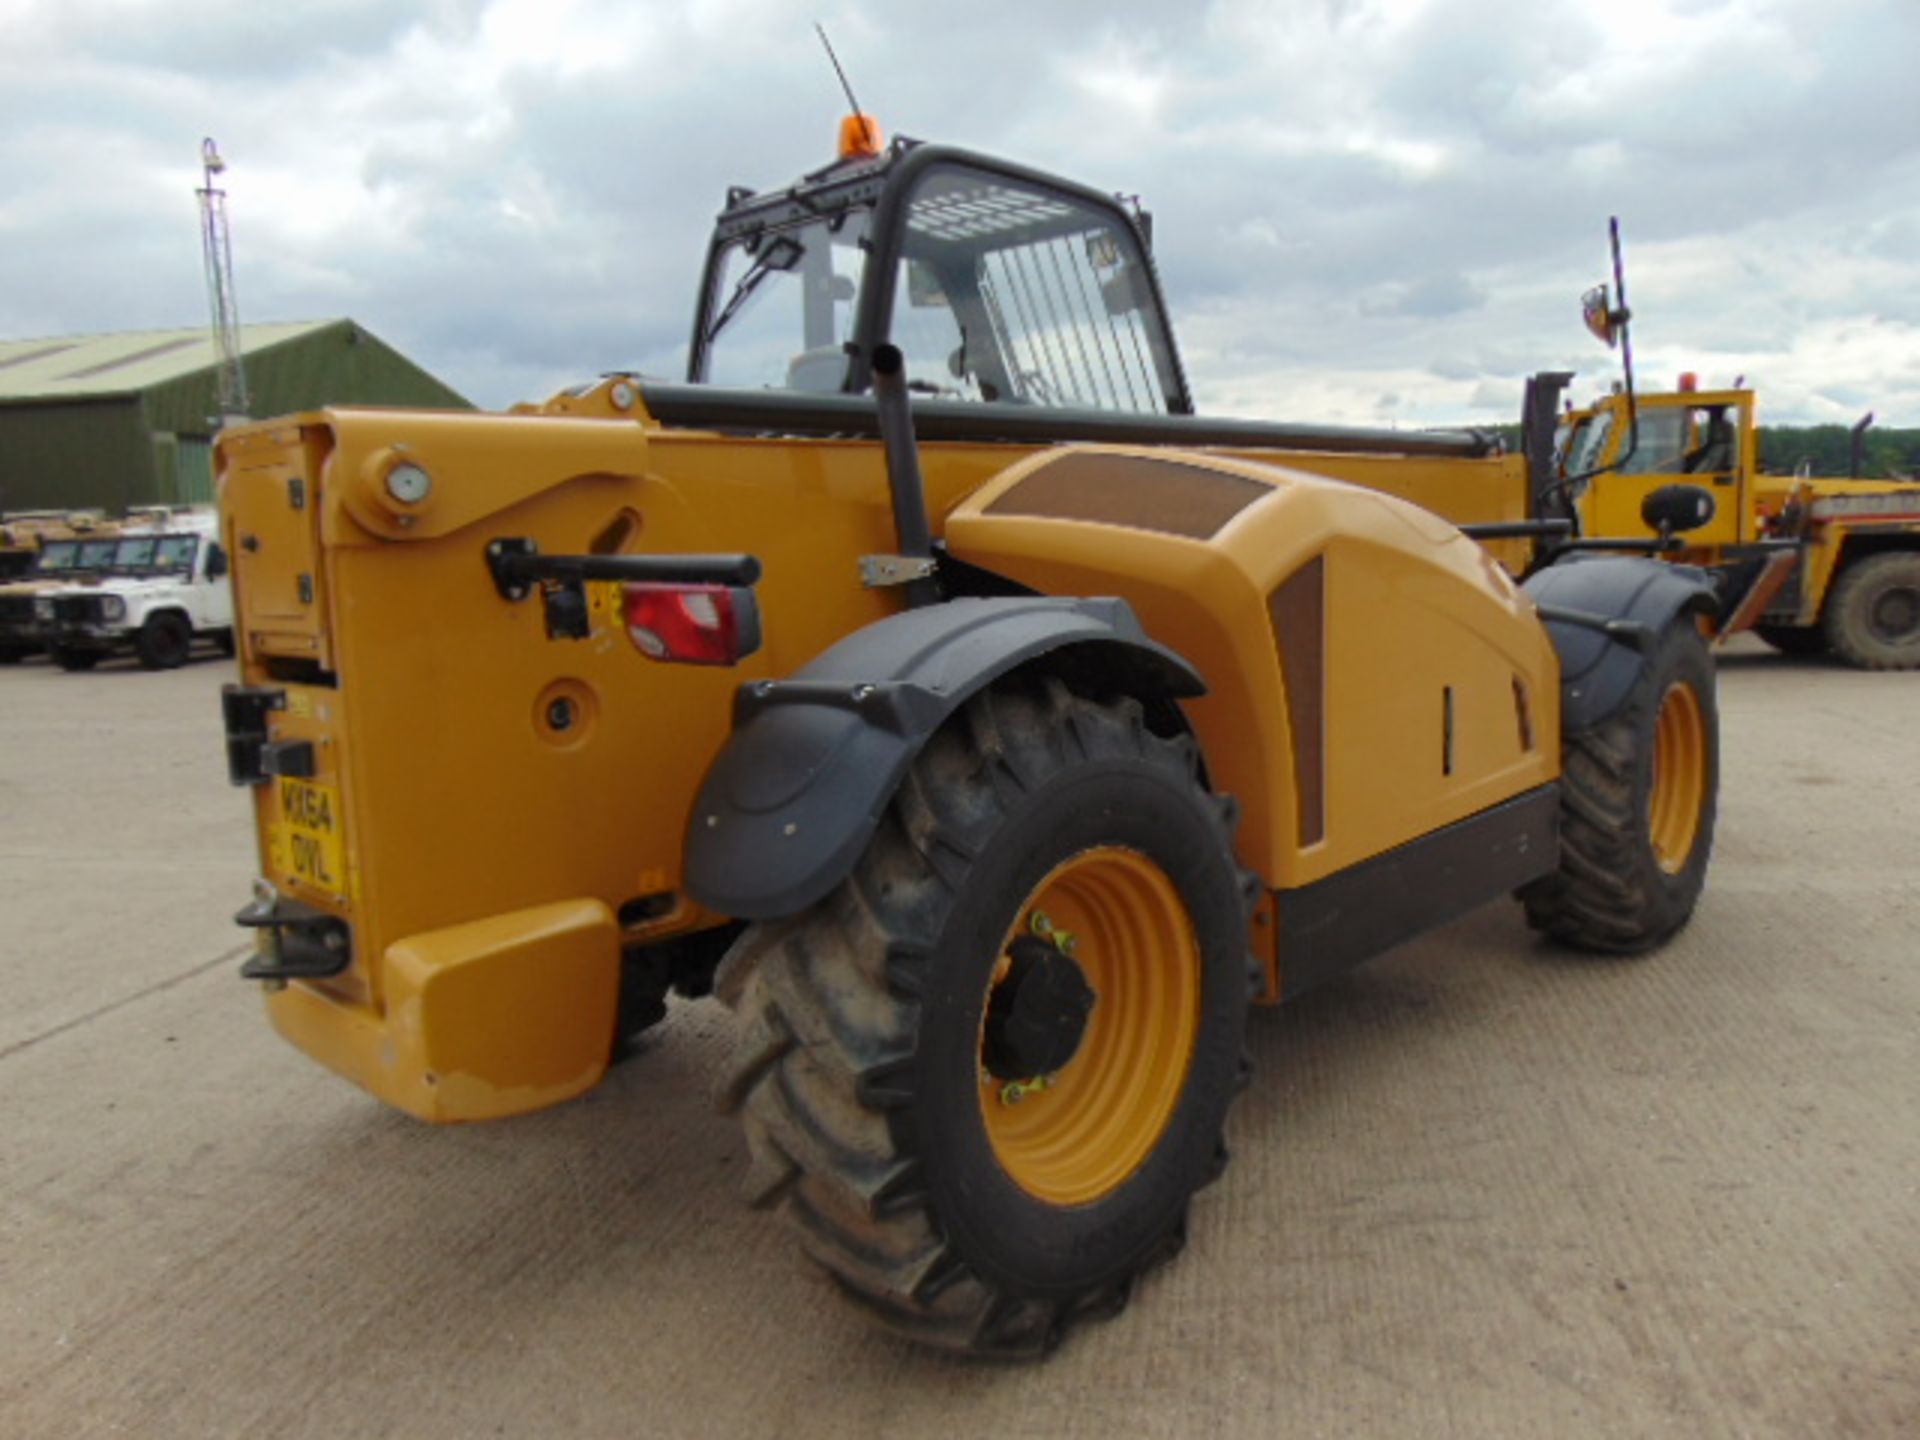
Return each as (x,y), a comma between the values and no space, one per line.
(164,641)
(1873,612)
(14,654)
(862,1072)
(229,646)
(1794,639)
(69,658)
(1638,796)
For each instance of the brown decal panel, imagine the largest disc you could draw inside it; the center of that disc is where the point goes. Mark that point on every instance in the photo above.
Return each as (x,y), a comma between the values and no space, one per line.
(1298,608)
(1134,491)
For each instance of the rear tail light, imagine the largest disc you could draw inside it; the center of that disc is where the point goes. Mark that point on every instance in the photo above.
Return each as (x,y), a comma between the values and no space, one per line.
(691,624)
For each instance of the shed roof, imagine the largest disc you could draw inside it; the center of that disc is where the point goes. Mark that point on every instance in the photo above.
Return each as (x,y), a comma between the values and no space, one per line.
(82,366)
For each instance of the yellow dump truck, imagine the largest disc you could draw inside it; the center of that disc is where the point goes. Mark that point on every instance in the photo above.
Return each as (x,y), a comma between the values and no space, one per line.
(1825,563)
(925,677)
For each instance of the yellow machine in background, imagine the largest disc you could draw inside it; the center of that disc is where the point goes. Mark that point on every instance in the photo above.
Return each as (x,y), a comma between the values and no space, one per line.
(1822,563)
(926,678)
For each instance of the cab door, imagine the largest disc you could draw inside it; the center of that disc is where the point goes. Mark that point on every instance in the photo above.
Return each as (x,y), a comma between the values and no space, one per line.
(1692,439)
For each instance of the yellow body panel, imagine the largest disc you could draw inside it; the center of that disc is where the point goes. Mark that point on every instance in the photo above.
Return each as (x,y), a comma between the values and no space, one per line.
(1413,608)
(462,809)
(491,1018)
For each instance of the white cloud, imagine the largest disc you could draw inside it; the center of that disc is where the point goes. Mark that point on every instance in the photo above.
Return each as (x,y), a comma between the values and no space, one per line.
(1355,199)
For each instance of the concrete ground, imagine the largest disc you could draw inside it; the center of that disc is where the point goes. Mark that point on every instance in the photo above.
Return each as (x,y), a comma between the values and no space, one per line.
(1480,1189)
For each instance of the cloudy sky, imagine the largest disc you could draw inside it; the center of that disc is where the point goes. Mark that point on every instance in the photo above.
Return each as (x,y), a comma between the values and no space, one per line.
(1365,210)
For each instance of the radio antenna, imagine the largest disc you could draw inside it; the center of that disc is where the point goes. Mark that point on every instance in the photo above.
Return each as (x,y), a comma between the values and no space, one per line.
(852,103)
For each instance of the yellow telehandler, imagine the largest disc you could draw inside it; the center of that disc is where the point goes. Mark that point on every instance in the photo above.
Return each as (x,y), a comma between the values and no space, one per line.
(924,677)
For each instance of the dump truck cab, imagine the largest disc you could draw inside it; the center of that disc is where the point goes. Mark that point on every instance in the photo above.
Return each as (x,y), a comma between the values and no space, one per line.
(1799,536)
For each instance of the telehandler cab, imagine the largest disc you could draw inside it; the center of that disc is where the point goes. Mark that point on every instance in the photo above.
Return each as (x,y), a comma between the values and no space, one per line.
(1006,747)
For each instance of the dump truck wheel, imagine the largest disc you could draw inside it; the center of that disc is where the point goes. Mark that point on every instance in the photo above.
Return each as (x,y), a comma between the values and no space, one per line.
(1638,796)
(68,658)
(164,641)
(1794,639)
(984,1077)
(1873,614)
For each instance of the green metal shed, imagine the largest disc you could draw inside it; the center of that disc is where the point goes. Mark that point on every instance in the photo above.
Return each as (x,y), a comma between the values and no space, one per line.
(112,421)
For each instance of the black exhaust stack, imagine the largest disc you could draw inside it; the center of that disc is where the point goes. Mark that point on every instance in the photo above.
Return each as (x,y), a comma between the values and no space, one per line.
(911,532)
(1856,455)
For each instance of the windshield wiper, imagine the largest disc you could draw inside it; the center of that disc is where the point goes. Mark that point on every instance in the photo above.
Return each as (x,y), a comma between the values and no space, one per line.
(783,252)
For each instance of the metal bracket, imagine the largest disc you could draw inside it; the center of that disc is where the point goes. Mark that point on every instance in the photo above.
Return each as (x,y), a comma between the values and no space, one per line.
(877,571)
(307,944)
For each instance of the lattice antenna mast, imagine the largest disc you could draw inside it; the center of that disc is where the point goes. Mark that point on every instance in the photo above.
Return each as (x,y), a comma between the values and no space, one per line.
(222,306)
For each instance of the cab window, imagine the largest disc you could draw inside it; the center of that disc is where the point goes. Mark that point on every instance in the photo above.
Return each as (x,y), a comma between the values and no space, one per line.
(782,308)
(1007,292)
(1663,443)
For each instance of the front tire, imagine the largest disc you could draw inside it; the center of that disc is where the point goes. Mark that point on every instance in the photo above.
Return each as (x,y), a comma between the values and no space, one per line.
(69,658)
(164,641)
(968,1206)
(1638,796)
(1873,613)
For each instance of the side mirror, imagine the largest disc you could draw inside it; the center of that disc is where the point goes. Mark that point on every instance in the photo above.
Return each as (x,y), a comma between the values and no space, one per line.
(1602,320)
(1675,509)
(216,563)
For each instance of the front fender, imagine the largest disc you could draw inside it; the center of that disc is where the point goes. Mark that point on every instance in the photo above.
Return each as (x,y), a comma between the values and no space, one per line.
(798,790)
(1598,666)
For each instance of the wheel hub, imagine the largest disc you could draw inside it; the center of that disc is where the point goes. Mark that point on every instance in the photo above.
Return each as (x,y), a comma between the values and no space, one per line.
(1896,613)
(1037,1014)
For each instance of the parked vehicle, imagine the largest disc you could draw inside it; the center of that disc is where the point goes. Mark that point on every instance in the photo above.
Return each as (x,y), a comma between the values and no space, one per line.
(57,562)
(159,592)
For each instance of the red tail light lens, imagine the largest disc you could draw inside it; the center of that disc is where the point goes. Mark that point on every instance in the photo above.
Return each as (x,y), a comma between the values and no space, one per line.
(691,624)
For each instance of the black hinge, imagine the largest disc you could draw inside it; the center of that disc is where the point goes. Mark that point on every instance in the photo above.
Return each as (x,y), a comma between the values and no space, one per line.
(245,709)
(304,587)
(297,493)
(305,944)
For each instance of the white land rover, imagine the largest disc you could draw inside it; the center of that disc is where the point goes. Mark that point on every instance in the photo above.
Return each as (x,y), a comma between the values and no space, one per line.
(163,591)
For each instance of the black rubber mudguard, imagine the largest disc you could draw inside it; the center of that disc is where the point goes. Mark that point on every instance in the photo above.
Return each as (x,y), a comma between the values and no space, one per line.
(798,790)
(1615,606)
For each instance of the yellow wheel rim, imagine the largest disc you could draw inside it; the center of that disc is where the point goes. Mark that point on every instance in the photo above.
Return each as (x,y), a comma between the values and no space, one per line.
(1074,1136)
(1679,778)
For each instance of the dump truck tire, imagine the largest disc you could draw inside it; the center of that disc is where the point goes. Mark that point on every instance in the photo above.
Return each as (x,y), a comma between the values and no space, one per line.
(1794,639)
(1873,614)
(1638,796)
(164,641)
(68,658)
(880,1075)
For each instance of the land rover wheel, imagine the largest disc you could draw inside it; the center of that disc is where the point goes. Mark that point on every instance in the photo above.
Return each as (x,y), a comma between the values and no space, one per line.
(70,657)
(14,654)
(1638,795)
(984,1077)
(163,641)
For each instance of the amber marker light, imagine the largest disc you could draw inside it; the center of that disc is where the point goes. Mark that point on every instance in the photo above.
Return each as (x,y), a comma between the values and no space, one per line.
(860,137)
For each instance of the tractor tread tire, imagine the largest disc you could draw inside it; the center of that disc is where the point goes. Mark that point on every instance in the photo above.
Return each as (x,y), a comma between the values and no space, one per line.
(1609,895)
(1848,632)
(823,1073)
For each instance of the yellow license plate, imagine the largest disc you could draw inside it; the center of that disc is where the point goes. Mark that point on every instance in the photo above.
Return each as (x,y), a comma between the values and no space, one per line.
(305,839)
